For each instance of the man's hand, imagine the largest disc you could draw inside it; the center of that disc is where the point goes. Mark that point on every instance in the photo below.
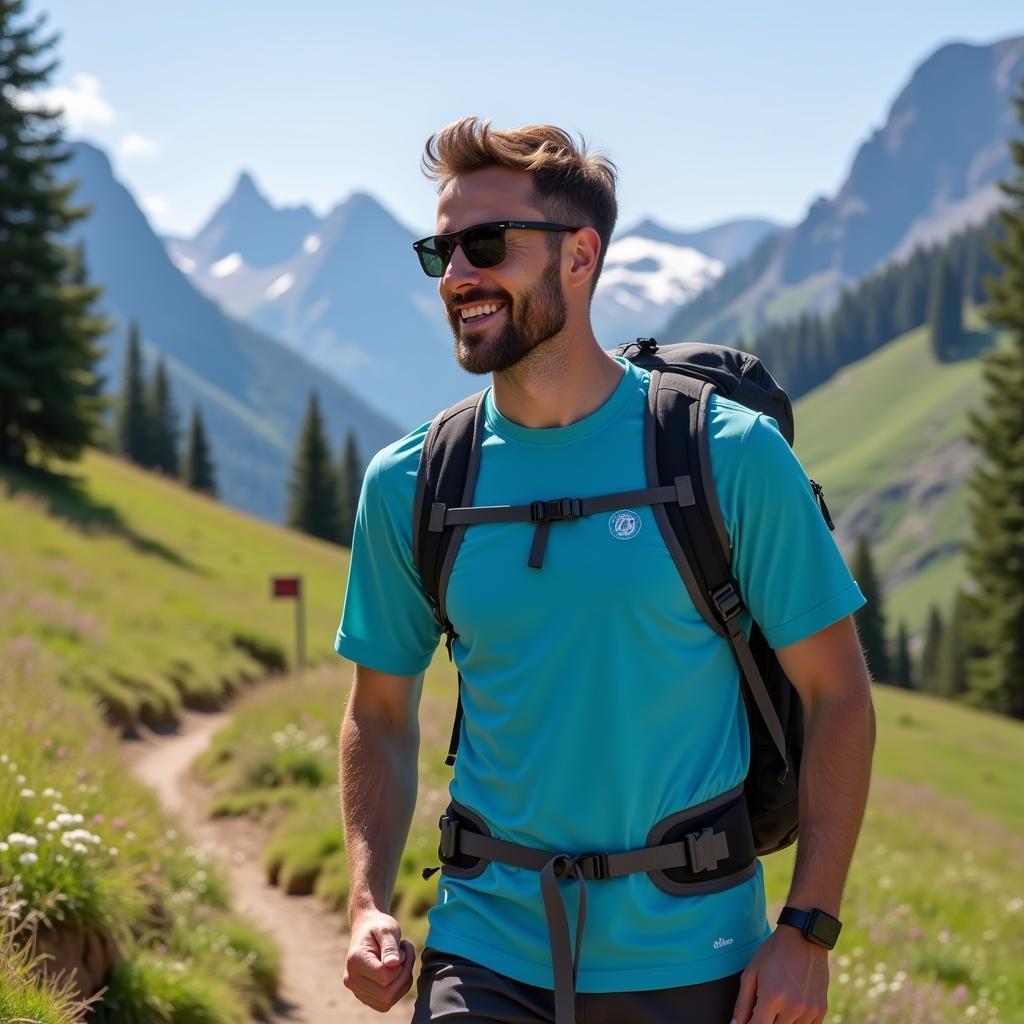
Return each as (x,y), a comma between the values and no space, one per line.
(378,969)
(786,982)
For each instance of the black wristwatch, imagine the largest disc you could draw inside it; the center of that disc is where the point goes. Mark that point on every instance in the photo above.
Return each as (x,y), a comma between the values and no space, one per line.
(815,924)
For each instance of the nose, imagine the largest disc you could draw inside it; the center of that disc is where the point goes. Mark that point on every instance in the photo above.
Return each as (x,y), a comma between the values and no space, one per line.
(459,273)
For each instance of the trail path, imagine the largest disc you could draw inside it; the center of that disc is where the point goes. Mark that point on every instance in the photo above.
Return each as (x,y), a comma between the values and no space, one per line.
(313,940)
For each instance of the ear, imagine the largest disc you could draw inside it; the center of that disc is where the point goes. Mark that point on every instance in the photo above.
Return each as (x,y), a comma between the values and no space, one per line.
(584,252)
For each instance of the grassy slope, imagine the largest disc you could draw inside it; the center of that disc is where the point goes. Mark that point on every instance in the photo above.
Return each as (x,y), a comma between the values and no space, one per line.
(148,594)
(874,425)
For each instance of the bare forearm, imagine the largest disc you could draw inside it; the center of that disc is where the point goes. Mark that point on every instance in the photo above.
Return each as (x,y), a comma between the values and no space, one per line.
(834,779)
(378,796)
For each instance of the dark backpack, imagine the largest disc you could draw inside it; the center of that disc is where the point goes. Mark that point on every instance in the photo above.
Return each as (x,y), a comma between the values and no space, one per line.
(682,496)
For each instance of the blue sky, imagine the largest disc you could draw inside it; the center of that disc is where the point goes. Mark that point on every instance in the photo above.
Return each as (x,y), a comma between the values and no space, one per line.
(710,111)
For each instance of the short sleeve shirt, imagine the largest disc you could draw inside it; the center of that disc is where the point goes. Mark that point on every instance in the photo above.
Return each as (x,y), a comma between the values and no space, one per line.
(597,701)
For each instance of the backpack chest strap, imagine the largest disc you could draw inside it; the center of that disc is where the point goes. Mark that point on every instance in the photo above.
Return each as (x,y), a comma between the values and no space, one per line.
(546,512)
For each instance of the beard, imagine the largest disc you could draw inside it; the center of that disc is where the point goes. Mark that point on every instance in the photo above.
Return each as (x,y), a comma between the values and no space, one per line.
(537,316)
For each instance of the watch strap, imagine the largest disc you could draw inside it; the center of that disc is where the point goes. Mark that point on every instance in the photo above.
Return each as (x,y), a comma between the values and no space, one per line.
(807,920)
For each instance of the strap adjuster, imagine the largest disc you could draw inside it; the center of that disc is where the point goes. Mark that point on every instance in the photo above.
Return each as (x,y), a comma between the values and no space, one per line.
(449,844)
(556,509)
(706,848)
(594,865)
(727,601)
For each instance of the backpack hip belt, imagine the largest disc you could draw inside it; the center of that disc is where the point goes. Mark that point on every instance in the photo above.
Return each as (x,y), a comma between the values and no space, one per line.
(702,849)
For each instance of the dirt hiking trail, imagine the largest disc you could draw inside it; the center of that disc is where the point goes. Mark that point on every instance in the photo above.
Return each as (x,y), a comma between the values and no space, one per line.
(312,939)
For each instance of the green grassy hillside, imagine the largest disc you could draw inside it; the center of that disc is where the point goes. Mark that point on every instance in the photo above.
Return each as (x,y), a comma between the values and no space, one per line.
(886,439)
(151,596)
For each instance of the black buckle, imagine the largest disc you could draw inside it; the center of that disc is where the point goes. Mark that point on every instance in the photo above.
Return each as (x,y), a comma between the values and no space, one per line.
(594,865)
(556,509)
(706,848)
(449,845)
(727,601)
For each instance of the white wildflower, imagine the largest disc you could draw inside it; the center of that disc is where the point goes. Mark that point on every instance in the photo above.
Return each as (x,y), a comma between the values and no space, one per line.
(28,858)
(20,839)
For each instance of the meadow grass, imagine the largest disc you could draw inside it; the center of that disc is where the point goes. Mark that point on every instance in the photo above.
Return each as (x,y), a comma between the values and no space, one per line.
(27,992)
(84,849)
(149,596)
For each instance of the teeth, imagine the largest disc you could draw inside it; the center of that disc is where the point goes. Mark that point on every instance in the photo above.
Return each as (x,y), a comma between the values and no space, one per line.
(473,311)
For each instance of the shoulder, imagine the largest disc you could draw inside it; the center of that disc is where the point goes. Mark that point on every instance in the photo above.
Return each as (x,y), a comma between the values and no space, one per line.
(736,431)
(752,465)
(391,473)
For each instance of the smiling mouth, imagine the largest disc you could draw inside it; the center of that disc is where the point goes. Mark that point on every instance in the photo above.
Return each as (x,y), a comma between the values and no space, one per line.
(484,313)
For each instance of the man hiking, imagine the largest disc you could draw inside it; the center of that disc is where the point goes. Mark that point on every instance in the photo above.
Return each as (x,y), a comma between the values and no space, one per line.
(599,708)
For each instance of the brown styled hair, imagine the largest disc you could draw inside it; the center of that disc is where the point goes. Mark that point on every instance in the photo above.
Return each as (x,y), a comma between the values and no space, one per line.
(572,184)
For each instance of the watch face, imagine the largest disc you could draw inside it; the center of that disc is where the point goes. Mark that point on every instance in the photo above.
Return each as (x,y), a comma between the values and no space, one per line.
(824,929)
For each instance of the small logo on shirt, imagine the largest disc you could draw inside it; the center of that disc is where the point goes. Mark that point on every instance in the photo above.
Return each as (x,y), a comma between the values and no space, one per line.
(722,943)
(624,525)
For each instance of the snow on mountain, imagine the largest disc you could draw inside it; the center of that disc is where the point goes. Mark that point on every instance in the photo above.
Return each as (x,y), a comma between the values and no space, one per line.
(643,282)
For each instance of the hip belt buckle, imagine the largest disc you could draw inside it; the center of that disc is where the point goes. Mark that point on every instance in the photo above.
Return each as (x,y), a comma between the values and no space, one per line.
(706,849)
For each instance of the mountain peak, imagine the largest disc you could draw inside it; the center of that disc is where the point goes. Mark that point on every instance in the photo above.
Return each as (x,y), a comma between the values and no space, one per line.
(247,194)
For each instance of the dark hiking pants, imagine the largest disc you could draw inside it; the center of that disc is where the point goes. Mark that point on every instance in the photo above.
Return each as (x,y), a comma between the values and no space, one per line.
(454,989)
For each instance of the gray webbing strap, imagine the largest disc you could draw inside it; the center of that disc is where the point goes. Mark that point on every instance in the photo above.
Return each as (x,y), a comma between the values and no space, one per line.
(699,852)
(565,965)
(441,516)
(752,674)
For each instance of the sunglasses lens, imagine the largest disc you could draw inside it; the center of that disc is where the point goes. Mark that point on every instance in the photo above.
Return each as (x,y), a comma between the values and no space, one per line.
(431,260)
(484,246)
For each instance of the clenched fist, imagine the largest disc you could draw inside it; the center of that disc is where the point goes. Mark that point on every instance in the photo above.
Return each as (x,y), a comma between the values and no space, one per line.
(378,969)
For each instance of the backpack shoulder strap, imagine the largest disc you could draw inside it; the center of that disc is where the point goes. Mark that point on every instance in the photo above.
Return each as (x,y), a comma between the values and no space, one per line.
(676,443)
(448,468)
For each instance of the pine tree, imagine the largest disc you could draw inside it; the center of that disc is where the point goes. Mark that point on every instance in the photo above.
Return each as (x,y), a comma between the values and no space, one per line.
(162,420)
(870,618)
(197,469)
(48,335)
(952,667)
(995,551)
(312,487)
(131,422)
(945,311)
(928,675)
(350,480)
(903,668)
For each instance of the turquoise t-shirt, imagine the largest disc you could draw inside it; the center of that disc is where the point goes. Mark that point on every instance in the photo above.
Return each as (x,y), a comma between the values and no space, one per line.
(597,700)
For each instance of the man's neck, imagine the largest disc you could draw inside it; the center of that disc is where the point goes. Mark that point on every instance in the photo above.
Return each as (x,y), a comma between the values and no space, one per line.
(560,382)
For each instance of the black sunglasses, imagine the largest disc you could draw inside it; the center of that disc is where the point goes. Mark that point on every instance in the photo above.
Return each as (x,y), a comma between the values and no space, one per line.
(483,244)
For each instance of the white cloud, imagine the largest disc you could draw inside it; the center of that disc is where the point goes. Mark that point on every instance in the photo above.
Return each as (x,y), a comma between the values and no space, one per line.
(155,206)
(134,144)
(311,243)
(82,102)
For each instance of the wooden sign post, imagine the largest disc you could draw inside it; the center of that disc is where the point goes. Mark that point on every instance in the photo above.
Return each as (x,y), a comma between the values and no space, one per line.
(291,586)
